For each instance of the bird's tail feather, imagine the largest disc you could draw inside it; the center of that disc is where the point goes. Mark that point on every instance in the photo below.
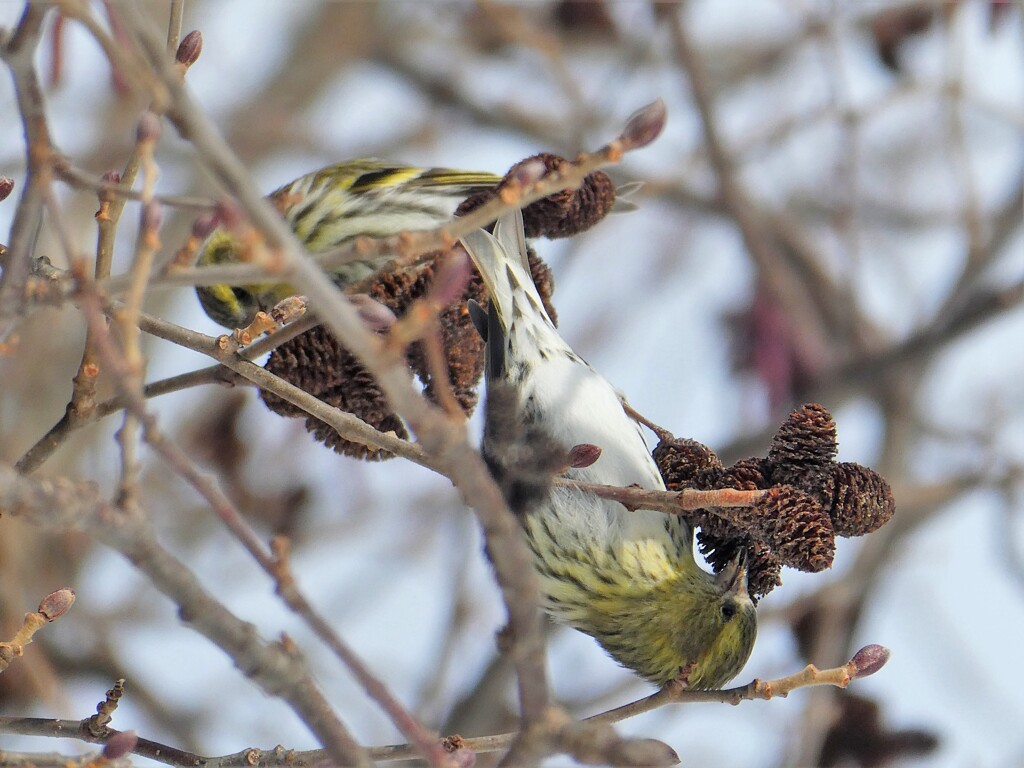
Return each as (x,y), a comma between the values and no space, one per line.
(504,265)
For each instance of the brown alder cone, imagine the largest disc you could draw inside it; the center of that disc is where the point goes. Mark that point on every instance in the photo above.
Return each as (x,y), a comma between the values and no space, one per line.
(681,459)
(797,529)
(804,446)
(858,499)
(810,498)
(562,214)
(316,363)
(721,539)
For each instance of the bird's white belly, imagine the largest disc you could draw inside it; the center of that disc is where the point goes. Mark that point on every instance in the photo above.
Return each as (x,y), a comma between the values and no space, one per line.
(576,405)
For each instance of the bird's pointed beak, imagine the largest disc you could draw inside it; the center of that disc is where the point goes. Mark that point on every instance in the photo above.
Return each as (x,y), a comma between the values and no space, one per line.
(733,578)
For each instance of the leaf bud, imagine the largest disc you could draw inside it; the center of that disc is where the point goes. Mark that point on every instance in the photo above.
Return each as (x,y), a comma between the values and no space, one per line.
(451,275)
(189,48)
(57,603)
(583,455)
(148,128)
(229,214)
(528,172)
(869,660)
(645,125)
(376,315)
(120,744)
(204,225)
(152,216)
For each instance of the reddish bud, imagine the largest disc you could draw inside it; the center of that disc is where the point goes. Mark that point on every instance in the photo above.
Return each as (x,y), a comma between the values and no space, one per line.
(148,129)
(528,171)
(229,214)
(120,744)
(189,48)
(645,125)
(105,195)
(56,604)
(6,187)
(583,455)
(152,216)
(642,752)
(376,315)
(869,660)
(204,225)
(451,276)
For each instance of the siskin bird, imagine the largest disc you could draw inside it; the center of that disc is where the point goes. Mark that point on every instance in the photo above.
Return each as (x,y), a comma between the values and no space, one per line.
(332,206)
(627,578)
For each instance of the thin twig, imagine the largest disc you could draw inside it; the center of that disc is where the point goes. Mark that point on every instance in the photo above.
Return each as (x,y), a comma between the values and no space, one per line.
(177,13)
(275,564)
(278,669)
(442,438)
(865,662)
(19,53)
(122,191)
(409,246)
(674,502)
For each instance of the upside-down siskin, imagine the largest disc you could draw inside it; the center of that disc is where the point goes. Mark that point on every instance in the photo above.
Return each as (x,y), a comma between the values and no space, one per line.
(627,578)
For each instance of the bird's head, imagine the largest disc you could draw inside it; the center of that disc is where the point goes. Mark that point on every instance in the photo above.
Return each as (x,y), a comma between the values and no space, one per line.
(698,628)
(725,620)
(232,306)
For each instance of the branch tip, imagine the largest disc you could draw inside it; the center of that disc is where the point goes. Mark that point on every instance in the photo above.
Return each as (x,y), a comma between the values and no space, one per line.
(583,455)
(644,125)
(189,49)
(152,216)
(57,603)
(376,315)
(228,213)
(528,172)
(148,128)
(451,275)
(204,225)
(868,660)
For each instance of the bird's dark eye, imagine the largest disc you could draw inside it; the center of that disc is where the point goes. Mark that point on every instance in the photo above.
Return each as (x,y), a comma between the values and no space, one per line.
(245,307)
(244,297)
(728,610)
(230,306)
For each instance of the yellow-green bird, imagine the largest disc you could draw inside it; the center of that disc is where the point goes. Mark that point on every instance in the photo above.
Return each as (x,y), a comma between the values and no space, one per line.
(332,206)
(627,578)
